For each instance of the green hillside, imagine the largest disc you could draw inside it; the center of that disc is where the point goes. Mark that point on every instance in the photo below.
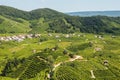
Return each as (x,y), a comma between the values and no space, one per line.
(13,12)
(83,57)
(96,24)
(47,13)
(17,25)
(48,20)
(34,14)
(67,48)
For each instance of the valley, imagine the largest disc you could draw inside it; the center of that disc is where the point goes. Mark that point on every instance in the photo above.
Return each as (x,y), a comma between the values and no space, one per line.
(45,44)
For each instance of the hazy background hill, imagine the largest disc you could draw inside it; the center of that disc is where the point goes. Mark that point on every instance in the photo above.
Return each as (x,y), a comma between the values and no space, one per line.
(96,13)
(45,20)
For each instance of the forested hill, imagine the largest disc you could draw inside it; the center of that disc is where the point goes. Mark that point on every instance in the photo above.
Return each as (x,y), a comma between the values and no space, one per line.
(34,14)
(13,20)
(13,12)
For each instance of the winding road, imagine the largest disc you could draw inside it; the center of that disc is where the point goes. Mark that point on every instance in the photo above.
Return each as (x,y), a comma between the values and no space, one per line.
(70,60)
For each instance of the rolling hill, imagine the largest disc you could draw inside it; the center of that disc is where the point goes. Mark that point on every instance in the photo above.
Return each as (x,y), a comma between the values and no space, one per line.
(77,57)
(17,25)
(48,20)
(67,48)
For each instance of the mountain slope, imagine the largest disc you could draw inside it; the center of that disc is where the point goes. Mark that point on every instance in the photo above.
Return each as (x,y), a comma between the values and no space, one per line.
(46,13)
(13,26)
(96,24)
(48,20)
(13,12)
(34,14)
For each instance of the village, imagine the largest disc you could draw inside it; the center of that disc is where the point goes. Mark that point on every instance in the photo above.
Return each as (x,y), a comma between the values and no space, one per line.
(22,37)
(19,38)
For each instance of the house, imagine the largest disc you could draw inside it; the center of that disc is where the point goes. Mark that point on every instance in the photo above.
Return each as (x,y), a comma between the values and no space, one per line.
(57,36)
(59,40)
(105,62)
(113,36)
(49,34)
(98,49)
(67,36)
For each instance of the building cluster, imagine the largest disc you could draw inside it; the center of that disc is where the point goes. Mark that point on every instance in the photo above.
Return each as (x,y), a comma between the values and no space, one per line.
(19,38)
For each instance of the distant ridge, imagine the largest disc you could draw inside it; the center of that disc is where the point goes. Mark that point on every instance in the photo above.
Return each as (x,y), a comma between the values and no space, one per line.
(96,13)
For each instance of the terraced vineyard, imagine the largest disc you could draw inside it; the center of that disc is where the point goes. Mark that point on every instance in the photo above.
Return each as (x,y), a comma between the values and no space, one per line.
(53,56)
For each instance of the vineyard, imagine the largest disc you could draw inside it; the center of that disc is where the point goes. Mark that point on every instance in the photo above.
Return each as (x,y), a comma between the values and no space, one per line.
(58,57)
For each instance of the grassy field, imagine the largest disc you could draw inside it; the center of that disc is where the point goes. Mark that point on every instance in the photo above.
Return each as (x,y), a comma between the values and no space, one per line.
(34,59)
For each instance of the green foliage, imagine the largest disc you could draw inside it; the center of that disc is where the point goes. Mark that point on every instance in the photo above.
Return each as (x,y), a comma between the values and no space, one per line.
(9,11)
(11,66)
(48,20)
(114,70)
(33,69)
(17,60)
(107,73)
(46,13)
(64,73)
(25,68)
(60,26)
(77,47)
(42,38)
(1,20)
(92,25)
(14,26)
